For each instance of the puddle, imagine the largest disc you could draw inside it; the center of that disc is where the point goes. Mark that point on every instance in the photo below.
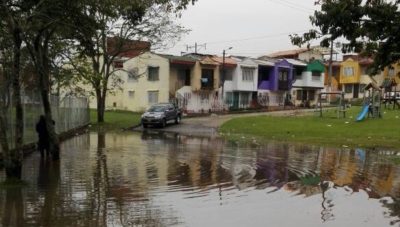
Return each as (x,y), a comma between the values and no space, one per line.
(161,179)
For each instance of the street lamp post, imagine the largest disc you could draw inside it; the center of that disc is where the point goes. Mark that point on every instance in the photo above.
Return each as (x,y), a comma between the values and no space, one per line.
(223,72)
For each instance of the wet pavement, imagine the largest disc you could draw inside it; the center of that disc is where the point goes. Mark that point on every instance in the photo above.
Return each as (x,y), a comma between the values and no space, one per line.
(208,126)
(169,179)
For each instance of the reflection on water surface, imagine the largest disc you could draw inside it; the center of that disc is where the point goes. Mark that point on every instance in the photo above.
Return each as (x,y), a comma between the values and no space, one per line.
(157,179)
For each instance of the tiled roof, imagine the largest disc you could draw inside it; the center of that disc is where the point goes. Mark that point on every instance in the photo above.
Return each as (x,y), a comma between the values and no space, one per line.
(126,48)
(179,59)
(287,53)
(295,52)
(228,61)
(208,61)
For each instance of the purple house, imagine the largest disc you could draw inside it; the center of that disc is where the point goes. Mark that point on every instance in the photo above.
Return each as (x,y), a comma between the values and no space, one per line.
(275,79)
(278,77)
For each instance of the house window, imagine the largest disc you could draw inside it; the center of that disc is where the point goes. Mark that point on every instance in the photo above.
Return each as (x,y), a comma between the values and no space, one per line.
(263,74)
(153,73)
(348,88)
(283,75)
(228,76)
(207,79)
(348,71)
(247,74)
(152,97)
(131,94)
(316,75)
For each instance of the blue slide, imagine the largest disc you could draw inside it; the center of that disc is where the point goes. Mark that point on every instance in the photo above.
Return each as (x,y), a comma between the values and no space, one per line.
(363,113)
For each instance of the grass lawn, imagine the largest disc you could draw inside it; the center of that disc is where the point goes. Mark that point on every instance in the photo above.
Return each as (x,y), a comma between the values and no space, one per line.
(384,132)
(115,120)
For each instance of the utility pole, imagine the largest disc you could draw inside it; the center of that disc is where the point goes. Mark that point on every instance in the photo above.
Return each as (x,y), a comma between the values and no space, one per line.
(196,47)
(330,67)
(223,72)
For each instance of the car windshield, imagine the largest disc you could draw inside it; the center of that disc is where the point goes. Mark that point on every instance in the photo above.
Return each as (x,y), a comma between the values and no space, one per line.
(157,109)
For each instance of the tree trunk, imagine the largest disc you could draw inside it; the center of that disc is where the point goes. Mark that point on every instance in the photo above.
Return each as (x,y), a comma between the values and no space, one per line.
(54,143)
(3,134)
(100,106)
(44,86)
(13,159)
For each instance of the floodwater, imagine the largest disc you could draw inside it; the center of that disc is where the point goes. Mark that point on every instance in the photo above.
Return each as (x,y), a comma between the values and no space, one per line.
(156,179)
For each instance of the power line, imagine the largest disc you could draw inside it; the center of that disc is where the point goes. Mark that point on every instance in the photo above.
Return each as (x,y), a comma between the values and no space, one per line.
(293,6)
(255,37)
(297,5)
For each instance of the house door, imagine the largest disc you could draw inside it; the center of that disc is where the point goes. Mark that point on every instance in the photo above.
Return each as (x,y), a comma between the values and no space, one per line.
(236,100)
(356,91)
(187,77)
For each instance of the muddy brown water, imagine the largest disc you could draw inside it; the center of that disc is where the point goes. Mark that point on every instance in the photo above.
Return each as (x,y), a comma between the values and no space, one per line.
(161,179)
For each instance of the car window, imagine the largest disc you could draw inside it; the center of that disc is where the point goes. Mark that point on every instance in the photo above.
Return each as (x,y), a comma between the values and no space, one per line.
(157,109)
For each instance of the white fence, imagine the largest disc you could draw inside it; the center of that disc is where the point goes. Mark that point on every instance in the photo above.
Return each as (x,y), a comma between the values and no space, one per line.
(68,113)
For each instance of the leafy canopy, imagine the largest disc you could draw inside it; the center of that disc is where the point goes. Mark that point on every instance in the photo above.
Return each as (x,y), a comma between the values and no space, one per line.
(371,27)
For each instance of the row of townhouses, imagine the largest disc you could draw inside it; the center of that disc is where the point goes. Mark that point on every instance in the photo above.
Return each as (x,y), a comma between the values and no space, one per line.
(201,83)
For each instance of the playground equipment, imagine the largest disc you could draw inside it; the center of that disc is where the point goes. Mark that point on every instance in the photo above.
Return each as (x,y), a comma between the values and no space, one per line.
(341,104)
(372,102)
(391,96)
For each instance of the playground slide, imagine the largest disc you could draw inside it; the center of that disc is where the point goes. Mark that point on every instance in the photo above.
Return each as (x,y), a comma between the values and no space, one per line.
(363,113)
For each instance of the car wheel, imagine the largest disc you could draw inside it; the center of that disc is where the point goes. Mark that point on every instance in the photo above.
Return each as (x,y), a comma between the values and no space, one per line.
(164,123)
(178,119)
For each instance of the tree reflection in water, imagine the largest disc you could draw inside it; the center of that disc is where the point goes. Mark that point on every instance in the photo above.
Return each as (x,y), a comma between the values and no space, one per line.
(129,179)
(14,207)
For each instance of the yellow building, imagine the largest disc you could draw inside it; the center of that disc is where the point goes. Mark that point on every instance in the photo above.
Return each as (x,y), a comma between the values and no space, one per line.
(145,82)
(202,95)
(354,75)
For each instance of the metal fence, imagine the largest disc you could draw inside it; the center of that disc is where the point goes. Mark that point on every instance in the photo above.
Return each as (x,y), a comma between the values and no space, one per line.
(68,113)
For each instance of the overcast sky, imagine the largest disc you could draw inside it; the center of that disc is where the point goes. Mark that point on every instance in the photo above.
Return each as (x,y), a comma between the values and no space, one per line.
(251,27)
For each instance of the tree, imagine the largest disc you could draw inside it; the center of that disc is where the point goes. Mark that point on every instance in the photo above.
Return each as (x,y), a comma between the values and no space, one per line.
(9,24)
(128,22)
(5,92)
(371,28)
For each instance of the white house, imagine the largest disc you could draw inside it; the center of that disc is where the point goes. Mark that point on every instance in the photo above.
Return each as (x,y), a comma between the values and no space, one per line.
(308,83)
(240,87)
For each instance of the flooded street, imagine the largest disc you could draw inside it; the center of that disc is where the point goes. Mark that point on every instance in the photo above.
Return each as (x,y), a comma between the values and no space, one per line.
(157,179)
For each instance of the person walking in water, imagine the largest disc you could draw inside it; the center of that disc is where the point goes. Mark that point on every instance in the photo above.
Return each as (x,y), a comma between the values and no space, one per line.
(41,129)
